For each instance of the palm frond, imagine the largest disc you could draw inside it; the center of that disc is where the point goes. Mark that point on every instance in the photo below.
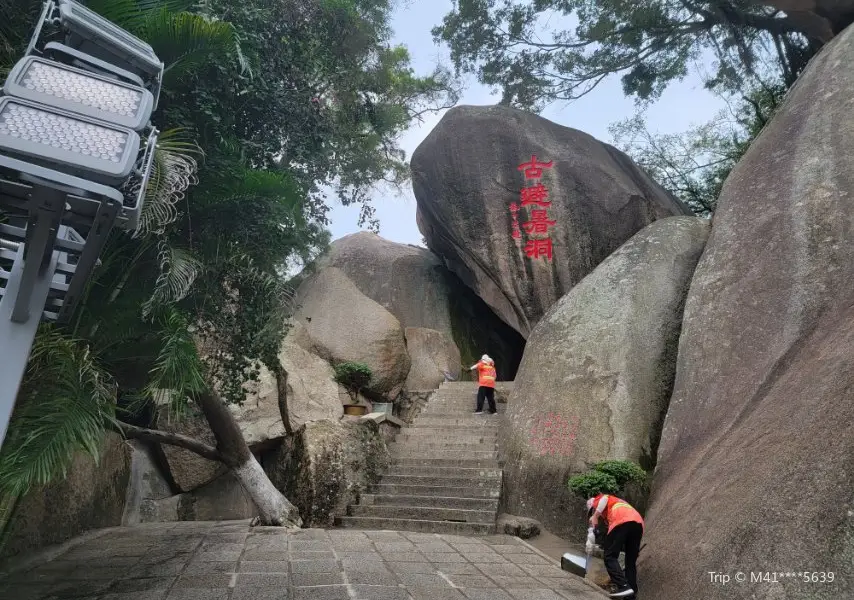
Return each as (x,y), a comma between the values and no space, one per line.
(173,171)
(185,41)
(132,14)
(65,404)
(178,271)
(178,371)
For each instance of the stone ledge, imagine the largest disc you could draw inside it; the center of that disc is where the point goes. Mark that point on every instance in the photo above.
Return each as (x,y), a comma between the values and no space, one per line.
(381,417)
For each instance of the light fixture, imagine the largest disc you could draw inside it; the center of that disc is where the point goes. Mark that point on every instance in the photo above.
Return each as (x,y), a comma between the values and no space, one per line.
(79,91)
(93,34)
(67,142)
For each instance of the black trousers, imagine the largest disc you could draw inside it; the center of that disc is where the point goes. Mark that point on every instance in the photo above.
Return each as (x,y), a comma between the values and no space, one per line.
(489,394)
(623,538)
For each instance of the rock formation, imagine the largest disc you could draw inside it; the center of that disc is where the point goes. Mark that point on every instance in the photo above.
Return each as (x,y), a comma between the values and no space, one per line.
(326,465)
(582,204)
(756,460)
(442,321)
(343,325)
(597,372)
(91,496)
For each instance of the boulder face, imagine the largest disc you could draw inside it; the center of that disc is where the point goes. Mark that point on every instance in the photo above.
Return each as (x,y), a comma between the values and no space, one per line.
(326,465)
(441,320)
(597,373)
(341,325)
(469,171)
(433,354)
(312,395)
(407,281)
(757,453)
(91,496)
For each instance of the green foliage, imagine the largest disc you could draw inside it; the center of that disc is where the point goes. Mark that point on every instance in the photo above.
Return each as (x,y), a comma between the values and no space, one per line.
(694,164)
(592,483)
(65,403)
(353,376)
(606,477)
(623,471)
(540,51)
(259,113)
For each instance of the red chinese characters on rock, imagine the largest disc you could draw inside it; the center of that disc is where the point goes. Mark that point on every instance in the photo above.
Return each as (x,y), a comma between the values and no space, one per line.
(536,197)
(514,211)
(554,435)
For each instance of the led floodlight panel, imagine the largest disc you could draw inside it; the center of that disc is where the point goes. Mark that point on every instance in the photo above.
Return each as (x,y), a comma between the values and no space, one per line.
(98,36)
(81,92)
(67,142)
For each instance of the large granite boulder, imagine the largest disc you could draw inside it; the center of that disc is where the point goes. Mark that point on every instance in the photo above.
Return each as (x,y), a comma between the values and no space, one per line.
(597,373)
(326,465)
(469,172)
(312,395)
(413,285)
(756,461)
(149,490)
(433,354)
(90,496)
(342,325)
(188,470)
(408,281)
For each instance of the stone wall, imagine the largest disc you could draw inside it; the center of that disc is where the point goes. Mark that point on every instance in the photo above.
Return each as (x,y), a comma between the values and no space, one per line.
(90,497)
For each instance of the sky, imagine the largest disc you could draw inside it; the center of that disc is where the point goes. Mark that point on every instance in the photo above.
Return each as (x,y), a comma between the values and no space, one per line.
(682,105)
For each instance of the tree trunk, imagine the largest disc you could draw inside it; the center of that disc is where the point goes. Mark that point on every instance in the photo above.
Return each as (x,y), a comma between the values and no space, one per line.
(282,394)
(273,507)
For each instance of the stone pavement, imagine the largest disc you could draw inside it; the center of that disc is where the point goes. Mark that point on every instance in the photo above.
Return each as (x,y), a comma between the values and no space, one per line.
(231,561)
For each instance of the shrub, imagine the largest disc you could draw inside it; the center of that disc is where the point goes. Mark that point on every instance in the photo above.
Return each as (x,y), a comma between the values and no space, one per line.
(592,483)
(623,471)
(353,376)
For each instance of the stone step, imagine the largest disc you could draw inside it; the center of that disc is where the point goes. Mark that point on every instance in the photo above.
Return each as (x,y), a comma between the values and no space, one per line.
(416,525)
(459,411)
(425,513)
(448,445)
(447,471)
(459,437)
(477,422)
(440,454)
(421,461)
(490,504)
(389,489)
(438,481)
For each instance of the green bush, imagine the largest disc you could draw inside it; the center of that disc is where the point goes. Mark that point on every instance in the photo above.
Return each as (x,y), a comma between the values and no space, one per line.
(592,483)
(353,376)
(623,471)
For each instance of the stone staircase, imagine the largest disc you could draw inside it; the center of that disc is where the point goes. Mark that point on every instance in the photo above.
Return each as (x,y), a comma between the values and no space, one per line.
(444,475)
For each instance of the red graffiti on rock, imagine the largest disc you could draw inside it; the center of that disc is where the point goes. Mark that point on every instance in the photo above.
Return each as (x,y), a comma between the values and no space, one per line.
(554,435)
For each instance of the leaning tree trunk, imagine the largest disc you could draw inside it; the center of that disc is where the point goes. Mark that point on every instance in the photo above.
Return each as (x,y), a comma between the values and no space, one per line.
(273,507)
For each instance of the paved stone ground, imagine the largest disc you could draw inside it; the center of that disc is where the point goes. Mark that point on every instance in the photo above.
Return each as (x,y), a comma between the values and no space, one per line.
(230,561)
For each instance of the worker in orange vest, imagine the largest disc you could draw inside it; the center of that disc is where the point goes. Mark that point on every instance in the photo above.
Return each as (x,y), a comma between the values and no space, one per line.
(625,530)
(486,382)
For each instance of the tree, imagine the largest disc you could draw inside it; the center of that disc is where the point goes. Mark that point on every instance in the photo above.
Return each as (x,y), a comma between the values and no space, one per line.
(261,112)
(693,165)
(648,43)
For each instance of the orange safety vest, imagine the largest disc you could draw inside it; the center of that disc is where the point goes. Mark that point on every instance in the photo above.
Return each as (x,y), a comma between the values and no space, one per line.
(485,375)
(617,512)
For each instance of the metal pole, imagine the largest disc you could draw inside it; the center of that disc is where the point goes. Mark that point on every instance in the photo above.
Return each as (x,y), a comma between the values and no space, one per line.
(17,338)
(25,295)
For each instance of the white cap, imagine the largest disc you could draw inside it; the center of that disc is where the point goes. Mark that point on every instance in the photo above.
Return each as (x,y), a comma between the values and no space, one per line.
(485,358)
(590,503)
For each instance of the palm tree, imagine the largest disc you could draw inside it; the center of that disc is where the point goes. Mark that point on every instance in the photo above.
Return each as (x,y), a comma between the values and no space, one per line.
(68,398)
